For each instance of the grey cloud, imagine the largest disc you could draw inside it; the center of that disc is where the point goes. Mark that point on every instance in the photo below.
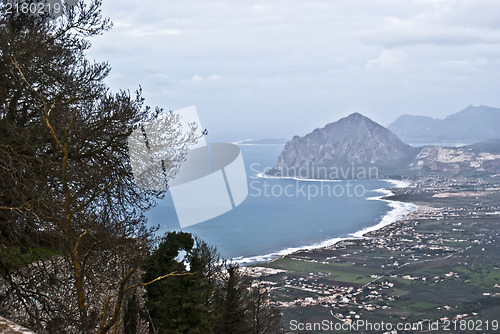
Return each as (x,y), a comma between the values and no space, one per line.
(274,60)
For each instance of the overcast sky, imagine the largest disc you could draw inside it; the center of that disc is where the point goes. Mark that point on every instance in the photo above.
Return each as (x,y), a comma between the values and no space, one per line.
(274,69)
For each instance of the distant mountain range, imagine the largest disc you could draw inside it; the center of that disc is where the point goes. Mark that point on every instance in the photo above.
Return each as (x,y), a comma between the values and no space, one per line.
(344,148)
(471,125)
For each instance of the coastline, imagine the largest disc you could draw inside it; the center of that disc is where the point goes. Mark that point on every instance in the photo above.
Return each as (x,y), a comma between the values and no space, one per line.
(438,264)
(398,210)
(265,176)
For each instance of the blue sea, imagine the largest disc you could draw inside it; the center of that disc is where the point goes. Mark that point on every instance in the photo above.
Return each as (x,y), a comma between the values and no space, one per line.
(281,216)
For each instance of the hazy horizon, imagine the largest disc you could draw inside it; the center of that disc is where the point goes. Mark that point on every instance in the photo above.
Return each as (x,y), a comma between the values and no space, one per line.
(278,69)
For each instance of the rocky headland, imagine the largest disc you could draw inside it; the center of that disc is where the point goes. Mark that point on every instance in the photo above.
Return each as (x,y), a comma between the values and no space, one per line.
(353,145)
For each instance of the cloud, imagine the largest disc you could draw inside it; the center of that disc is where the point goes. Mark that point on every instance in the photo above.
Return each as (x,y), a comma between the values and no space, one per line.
(437,24)
(196,79)
(387,59)
(270,60)
(261,7)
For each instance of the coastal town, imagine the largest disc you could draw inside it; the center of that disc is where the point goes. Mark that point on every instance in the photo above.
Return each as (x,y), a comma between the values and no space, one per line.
(440,263)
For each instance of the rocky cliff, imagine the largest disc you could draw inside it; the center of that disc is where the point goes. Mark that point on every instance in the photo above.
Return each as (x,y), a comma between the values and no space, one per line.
(484,156)
(352,142)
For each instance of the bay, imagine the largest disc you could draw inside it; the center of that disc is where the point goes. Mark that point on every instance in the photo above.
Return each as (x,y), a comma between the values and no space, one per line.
(281,216)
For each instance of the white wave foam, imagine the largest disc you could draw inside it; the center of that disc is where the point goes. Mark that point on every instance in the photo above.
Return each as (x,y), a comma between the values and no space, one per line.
(283,252)
(384,191)
(240,142)
(399,183)
(397,212)
(265,176)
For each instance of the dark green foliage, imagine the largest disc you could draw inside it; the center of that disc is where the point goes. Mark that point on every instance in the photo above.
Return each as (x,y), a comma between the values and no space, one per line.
(210,297)
(231,302)
(179,304)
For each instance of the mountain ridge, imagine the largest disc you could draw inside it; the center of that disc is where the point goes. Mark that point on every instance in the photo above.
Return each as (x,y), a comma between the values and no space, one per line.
(468,126)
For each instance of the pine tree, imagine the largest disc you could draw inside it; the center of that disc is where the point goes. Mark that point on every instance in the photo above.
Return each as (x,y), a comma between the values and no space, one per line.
(231,302)
(180,304)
